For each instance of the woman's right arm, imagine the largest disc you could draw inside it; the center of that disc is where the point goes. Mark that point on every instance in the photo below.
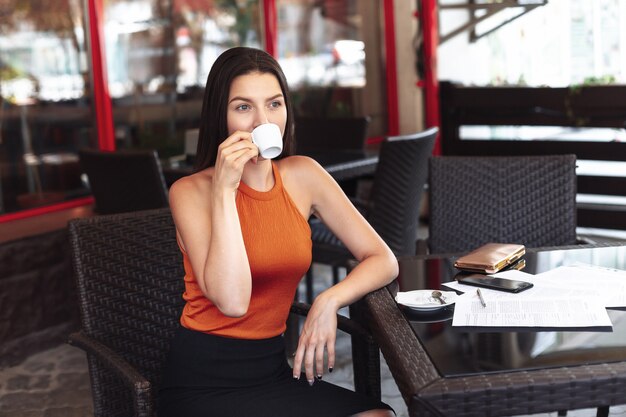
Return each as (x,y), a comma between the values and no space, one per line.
(207,223)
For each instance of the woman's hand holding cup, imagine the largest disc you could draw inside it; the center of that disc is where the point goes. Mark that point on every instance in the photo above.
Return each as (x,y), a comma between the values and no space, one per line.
(232,155)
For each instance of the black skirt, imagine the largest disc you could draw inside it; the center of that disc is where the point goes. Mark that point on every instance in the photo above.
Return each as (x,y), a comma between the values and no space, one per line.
(213,376)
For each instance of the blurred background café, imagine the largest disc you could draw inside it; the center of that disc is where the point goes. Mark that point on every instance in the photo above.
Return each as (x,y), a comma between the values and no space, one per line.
(508,77)
(117,75)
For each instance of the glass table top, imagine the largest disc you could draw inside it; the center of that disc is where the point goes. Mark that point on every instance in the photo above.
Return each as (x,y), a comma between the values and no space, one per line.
(462,351)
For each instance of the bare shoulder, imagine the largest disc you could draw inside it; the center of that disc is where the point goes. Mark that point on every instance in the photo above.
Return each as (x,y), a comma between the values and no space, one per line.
(308,183)
(301,169)
(191,187)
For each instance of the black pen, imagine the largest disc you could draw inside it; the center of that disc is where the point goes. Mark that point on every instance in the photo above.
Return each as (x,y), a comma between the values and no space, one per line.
(480,295)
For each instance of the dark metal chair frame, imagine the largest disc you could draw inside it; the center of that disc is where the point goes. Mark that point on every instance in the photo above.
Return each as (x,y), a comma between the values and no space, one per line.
(129,276)
(124,180)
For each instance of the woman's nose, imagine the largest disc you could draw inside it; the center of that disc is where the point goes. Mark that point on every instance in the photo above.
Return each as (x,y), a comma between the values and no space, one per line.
(261,118)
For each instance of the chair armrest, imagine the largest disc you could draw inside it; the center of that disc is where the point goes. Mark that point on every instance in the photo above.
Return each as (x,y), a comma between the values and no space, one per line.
(330,254)
(140,386)
(344,323)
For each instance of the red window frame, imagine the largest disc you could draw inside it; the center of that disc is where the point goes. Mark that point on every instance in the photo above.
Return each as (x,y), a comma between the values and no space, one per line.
(102,99)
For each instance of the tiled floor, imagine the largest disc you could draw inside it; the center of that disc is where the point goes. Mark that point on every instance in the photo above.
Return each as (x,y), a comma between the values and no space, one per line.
(53,383)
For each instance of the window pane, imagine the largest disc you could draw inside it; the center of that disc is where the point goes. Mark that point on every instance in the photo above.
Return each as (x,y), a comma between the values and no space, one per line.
(45,113)
(159,54)
(320,44)
(322,49)
(552,133)
(561,43)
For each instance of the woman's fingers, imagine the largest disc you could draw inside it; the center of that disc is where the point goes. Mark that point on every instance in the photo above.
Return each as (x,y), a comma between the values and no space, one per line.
(310,354)
(237,157)
(309,357)
(297,361)
(237,136)
(319,361)
(232,155)
(304,356)
(231,148)
(235,147)
(330,348)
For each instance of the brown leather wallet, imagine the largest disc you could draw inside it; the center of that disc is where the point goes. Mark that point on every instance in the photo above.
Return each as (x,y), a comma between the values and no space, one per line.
(490,258)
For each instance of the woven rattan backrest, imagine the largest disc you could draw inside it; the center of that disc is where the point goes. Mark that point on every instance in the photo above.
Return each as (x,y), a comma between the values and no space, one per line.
(129,275)
(123,181)
(322,133)
(398,188)
(519,199)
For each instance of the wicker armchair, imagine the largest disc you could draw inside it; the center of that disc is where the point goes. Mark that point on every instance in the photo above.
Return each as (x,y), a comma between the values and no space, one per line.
(130,282)
(522,199)
(427,393)
(393,210)
(124,181)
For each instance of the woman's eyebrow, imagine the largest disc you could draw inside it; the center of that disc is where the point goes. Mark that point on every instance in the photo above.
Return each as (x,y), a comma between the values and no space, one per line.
(279,95)
(239,98)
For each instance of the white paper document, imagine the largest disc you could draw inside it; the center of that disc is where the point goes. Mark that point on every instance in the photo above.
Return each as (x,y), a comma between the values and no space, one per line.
(542,288)
(568,296)
(514,310)
(608,284)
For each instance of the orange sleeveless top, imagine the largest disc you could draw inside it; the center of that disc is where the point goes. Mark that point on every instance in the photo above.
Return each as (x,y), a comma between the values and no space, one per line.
(278,244)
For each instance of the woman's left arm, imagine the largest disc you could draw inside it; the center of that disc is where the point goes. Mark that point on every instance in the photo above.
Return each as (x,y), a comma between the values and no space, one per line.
(376,268)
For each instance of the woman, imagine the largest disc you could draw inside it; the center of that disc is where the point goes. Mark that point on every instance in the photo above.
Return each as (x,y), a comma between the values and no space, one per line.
(242,227)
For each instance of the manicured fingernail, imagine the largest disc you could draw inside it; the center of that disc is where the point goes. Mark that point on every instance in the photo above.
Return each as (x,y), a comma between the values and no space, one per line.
(319,377)
(311,382)
(330,369)
(296,377)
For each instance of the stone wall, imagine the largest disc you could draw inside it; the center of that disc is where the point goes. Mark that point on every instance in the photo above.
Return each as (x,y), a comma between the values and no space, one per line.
(38,306)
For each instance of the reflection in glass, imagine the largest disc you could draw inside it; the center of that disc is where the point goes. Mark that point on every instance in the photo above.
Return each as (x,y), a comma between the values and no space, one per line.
(159,53)
(45,113)
(320,44)
(322,49)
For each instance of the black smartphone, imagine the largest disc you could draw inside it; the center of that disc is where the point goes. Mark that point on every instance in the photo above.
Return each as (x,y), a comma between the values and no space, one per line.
(500,284)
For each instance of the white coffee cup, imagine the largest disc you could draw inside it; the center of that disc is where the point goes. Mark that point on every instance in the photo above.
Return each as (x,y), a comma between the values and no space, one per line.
(269,140)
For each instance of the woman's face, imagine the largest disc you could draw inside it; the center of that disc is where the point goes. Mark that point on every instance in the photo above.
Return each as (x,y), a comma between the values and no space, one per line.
(254,99)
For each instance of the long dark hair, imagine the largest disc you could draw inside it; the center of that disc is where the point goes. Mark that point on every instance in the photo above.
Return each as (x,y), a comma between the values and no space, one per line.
(213,124)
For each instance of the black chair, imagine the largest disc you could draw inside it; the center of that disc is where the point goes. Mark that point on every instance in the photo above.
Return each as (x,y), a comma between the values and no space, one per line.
(123,181)
(520,199)
(512,199)
(393,210)
(129,275)
(321,134)
(315,135)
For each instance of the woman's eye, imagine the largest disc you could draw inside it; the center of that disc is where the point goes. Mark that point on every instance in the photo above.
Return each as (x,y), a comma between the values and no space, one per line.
(243,107)
(275,104)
